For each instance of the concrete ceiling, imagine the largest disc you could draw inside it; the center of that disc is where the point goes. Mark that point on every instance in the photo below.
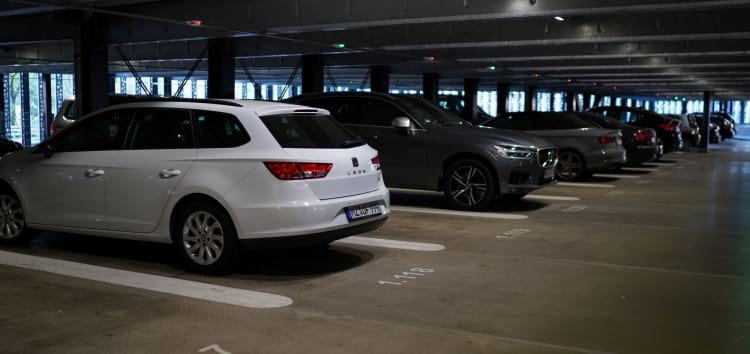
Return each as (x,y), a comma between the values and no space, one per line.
(642,47)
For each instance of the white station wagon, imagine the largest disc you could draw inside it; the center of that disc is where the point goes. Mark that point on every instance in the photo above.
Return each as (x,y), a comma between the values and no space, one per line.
(210,176)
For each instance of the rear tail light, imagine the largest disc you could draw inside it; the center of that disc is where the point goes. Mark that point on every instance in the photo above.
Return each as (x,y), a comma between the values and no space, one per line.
(606,139)
(641,135)
(668,127)
(298,170)
(375,163)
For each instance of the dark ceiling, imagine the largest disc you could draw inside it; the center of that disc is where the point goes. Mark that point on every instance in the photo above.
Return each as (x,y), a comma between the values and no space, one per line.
(638,47)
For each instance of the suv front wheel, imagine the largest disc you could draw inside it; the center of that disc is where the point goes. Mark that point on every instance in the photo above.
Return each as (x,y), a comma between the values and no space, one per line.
(469,185)
(206,239)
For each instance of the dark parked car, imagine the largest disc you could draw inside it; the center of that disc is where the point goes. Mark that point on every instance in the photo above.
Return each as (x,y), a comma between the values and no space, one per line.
(422,146)
(7,146)
(641,144)
(714,130)
(667,129)
(583,147)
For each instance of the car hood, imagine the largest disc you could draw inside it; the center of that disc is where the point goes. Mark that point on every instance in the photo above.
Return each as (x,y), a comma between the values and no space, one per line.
(498,136)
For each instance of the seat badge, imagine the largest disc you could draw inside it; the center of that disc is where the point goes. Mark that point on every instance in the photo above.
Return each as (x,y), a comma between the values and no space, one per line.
(355,162)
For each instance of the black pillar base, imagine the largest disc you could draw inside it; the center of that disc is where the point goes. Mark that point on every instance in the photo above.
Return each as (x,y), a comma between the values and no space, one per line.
(312,73)
(220,68)
(430,86)
(380,76)
(471,88)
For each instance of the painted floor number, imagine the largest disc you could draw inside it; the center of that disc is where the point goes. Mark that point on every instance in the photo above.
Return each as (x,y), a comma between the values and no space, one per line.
(414,273)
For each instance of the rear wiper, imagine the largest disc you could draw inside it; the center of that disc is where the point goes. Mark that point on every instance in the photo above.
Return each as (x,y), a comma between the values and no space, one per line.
(352,143)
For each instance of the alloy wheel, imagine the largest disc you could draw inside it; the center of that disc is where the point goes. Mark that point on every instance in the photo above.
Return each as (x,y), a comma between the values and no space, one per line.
(468,185)
(570,165)
(11,218)
(203,238)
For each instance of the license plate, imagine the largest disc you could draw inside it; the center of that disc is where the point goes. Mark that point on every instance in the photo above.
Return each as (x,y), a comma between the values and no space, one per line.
(363,211)
(549,173)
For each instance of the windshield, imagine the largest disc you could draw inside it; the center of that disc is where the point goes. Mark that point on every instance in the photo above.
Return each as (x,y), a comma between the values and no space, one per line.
(428,114)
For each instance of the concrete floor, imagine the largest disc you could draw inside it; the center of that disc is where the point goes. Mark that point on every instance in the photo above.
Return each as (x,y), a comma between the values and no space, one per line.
(657,264)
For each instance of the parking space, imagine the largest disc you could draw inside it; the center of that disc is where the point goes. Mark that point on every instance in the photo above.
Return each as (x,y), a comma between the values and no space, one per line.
(572,268)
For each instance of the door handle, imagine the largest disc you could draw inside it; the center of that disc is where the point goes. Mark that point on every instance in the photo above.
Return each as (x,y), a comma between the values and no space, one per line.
(93,173)
(169,173)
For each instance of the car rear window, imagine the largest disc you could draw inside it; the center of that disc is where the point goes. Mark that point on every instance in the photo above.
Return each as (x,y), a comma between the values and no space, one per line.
(309,132)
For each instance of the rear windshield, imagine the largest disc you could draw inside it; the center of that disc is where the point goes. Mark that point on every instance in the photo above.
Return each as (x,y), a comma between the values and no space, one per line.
(309,132)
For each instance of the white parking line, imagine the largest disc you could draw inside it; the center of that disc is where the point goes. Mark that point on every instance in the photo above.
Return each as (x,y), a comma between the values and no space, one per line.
(585,185)
(611,175)
(487,215)
(167,285)
(551,197)
(386,243)
(641,169)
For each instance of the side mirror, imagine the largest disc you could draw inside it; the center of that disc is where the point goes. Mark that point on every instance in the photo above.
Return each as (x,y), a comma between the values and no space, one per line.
(401,122)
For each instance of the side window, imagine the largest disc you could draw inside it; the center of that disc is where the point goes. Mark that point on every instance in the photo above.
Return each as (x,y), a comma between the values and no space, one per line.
(219,130)
(161,129)
(344,110)
(381,113)
(104,131)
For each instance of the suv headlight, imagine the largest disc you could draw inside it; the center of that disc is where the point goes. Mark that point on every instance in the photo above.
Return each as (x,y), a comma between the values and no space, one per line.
(515,152)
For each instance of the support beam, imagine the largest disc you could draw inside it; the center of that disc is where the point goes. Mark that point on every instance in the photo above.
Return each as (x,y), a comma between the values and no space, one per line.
(167,86)
(471,88)
(706,122)
(529,103)
(380,78)
(598,100)
(3,77)
(431,86)
(503,91)
(25,110)
(220,68)
(91,66)
(312,73)
(47,117)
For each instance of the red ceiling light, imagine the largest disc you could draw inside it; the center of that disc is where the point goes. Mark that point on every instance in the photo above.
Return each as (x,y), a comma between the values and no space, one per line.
(429,58)
(537,75)
(569,81)
(194,23)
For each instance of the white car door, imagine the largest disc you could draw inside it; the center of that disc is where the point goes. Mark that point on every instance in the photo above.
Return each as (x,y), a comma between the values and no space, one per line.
(142,177)
(66,187)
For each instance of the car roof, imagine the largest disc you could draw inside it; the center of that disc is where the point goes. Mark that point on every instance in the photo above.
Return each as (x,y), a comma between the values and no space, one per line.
(341,94)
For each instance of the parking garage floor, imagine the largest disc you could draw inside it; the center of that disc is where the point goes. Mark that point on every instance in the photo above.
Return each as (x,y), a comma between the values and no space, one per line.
(648,260)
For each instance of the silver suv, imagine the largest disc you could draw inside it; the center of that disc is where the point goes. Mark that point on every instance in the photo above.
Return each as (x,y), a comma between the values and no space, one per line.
(424,147)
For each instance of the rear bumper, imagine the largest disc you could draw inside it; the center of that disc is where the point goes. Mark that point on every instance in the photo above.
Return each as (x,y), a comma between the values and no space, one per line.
(641,154)
(605,160)
(314,239)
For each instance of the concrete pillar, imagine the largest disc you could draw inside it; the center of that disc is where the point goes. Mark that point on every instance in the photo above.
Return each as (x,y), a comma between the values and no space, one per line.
(529,99)
(312,73)
(220,68)
(503,91)
(111,83)
(91,63)
(47,110)
(471,88)
(380,78)
(571,102)
(431,86)
(704,128)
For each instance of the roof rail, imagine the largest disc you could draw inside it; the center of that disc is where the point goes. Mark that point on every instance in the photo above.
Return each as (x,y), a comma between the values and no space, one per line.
(119,99)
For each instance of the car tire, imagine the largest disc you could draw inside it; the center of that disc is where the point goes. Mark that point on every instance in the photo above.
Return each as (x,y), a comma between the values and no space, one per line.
(571,166)
(469,185)
(13,229)
(205,238)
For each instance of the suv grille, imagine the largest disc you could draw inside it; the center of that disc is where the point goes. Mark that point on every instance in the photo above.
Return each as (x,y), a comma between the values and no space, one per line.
(547,157)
